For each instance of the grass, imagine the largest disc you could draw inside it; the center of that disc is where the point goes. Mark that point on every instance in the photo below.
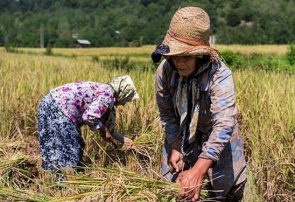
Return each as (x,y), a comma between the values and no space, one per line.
(266,114)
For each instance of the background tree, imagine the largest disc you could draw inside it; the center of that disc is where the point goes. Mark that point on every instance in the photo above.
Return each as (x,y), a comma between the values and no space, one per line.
(136,22)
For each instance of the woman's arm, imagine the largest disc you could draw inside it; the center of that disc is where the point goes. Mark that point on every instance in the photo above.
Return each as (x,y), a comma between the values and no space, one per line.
(123,139)
(108,136)
(224,114)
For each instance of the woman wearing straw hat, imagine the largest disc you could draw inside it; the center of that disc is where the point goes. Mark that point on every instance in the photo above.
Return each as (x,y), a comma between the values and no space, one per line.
(196,99)
(66,108)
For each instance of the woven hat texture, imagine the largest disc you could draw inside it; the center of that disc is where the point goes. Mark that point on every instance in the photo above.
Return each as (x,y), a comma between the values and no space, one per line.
(188,33)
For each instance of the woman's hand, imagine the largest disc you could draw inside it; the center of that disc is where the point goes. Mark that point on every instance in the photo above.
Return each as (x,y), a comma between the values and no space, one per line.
(191,180)
(176,160)
(129,143)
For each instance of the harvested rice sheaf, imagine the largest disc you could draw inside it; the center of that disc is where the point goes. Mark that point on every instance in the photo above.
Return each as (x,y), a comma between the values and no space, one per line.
(105,184)
(17,171)
(146,143)
(9,194)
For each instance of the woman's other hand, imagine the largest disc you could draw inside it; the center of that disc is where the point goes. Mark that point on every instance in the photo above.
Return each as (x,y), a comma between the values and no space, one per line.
(191,180)
(176,160)
(129,143)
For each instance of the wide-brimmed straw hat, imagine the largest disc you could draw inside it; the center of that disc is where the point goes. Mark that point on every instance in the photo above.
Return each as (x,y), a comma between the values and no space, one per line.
(188,34)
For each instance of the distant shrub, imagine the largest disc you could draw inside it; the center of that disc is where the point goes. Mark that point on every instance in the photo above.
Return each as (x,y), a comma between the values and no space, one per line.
(123,63)
(134,43)
(291,54)
(118,63)
(48,51)
(231,58)
(95,58)
(11,49)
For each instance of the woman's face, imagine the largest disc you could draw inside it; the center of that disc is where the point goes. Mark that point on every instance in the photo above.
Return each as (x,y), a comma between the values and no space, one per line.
(185,65)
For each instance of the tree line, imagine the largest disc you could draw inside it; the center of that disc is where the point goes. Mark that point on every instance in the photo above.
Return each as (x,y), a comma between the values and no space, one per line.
(23,23)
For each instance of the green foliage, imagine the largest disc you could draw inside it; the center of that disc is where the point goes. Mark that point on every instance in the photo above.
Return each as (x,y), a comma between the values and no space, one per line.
(120,63)
(231,58)
(11,49)
(48,51)
(291,54)
(95,58)
(259,62)
(133,23)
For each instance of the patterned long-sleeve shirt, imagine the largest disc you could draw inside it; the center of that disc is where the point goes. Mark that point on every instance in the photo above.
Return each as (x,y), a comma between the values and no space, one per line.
(86,102)
(217,121)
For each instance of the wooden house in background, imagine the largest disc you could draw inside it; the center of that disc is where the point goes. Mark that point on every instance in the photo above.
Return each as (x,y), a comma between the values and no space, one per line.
(82,43)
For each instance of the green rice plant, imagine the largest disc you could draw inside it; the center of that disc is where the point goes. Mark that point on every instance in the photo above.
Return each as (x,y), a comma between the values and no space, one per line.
(48,51)
(231,58)
(11,49)
(291,54)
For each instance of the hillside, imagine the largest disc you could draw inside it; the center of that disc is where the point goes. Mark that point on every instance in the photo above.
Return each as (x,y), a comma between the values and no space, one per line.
(137,22)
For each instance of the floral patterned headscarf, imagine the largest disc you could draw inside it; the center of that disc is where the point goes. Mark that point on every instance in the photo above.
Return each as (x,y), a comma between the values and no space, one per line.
(125,90)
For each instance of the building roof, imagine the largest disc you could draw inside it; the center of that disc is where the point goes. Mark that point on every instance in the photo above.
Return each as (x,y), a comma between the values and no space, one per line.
(83,41)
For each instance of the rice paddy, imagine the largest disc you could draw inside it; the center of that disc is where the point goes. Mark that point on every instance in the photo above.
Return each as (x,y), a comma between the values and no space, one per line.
(266,115)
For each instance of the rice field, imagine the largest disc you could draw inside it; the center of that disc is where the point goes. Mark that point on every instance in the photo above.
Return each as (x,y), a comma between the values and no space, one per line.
(147,49)
(266,114)
(141,54)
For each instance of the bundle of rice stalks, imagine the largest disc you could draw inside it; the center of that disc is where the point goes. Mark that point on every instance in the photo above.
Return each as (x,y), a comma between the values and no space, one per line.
(17,171)
(106,184)
(147,141)
(147,144)
(8,145)
(7,164)
(9,194)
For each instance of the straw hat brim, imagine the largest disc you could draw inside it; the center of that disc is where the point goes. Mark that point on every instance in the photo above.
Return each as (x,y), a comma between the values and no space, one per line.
(179,48)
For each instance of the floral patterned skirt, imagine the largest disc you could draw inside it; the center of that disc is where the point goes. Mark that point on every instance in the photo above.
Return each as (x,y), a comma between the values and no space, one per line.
(60,139)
